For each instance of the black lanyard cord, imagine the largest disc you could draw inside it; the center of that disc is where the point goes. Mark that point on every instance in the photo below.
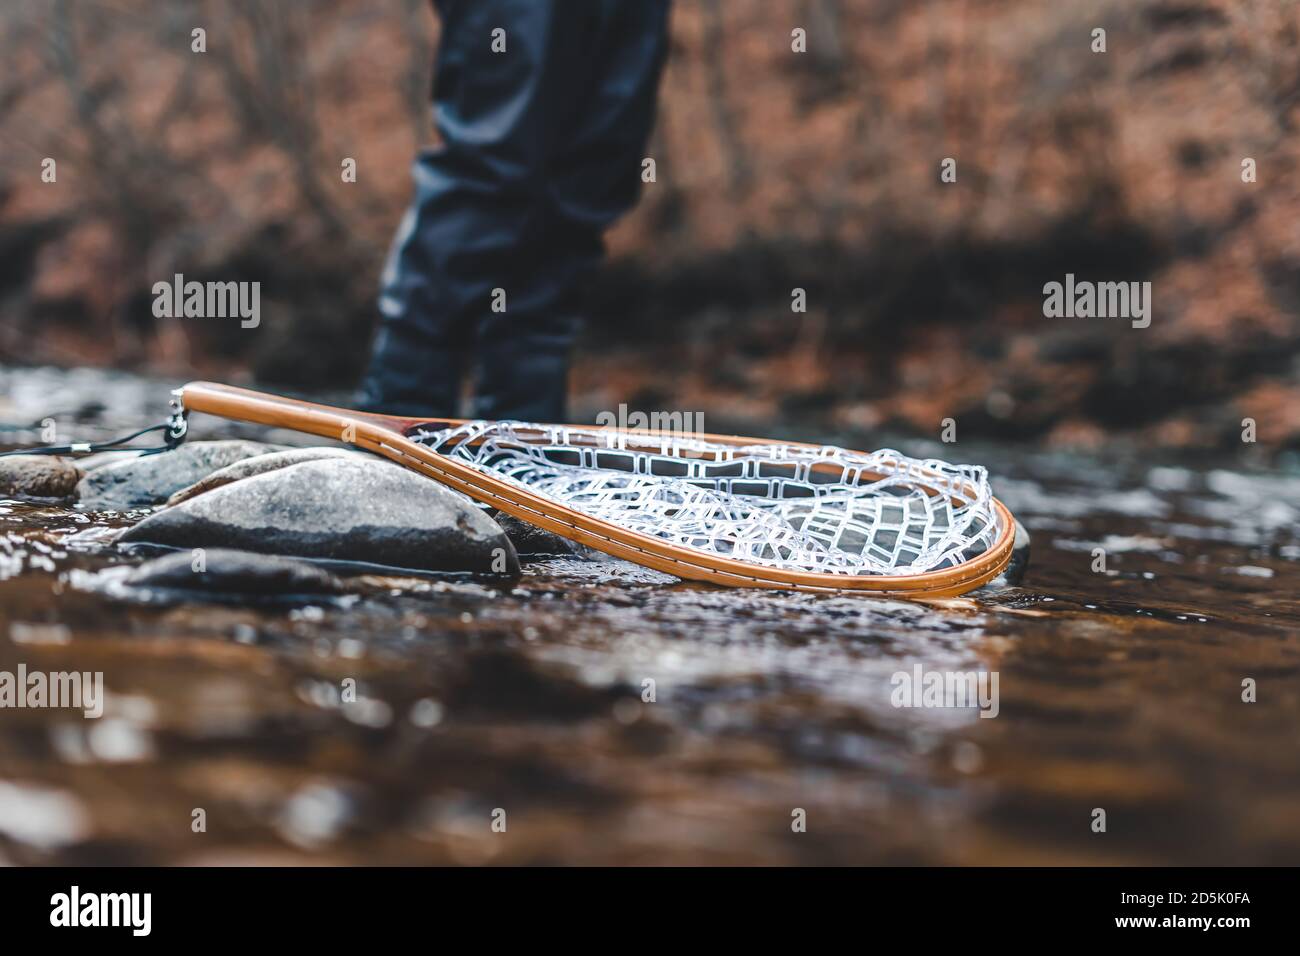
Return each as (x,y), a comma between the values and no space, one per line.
(174,430)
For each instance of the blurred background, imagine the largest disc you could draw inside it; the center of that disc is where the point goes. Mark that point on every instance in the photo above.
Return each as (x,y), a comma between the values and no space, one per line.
(1121,683)
(774,171)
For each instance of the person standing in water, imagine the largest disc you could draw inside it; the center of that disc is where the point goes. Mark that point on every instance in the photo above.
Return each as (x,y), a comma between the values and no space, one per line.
(544,108)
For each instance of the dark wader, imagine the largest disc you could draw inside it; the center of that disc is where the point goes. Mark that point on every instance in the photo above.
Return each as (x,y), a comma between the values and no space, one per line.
(541,151)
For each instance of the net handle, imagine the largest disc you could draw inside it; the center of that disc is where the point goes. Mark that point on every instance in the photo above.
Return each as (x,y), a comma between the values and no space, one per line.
(244,404)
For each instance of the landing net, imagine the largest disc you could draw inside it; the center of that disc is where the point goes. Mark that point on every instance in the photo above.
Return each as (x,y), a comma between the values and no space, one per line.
(817,509)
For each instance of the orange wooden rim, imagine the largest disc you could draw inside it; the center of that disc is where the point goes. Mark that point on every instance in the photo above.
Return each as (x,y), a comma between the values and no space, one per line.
(386,435)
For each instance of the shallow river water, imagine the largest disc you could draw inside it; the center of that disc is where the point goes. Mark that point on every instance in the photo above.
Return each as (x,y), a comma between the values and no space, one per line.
(773,735)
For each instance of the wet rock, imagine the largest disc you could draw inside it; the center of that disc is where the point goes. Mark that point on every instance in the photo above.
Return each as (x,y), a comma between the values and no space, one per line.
(151,479)
(533,542)
(38,476)
(1019,563)
(233,572)
(260,465)
(359,509)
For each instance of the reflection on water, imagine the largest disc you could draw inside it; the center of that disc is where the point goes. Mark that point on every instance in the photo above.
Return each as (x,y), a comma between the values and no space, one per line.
(388,727)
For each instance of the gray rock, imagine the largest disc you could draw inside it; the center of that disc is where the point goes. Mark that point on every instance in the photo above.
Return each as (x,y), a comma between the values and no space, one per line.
(531,541)
(359,509)
(234,572)
(38,476)
(101,458)
(151,479)
(260,465)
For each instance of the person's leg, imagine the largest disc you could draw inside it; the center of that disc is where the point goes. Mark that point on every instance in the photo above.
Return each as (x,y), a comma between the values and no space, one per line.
(476,196)
(596,175)
(601,83)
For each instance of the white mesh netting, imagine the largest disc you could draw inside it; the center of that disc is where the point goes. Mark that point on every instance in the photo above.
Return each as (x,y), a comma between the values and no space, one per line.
(825,510)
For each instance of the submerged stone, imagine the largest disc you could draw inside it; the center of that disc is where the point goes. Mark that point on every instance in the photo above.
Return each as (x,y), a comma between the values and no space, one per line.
(531,541)
(220,570)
